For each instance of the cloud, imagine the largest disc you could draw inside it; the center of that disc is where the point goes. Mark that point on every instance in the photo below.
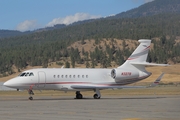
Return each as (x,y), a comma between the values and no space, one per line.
(72,18)
(145,1)
(27,25)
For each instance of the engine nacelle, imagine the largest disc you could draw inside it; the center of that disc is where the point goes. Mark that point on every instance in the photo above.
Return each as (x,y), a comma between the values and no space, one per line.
(121,74)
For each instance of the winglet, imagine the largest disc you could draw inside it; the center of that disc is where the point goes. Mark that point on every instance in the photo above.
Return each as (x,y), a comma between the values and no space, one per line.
(156,82)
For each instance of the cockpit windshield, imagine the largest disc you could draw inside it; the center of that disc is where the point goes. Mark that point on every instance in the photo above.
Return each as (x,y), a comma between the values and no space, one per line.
(26,74)
(22,74)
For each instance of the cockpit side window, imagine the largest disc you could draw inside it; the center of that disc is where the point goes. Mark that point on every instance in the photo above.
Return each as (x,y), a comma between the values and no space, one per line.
(31,74)
(21,75)
(27,74)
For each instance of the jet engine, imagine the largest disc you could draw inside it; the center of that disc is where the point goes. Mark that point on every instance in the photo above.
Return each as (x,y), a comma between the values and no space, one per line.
(122,74)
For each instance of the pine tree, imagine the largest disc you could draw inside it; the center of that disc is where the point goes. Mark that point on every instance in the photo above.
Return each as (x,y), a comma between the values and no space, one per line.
(67,64)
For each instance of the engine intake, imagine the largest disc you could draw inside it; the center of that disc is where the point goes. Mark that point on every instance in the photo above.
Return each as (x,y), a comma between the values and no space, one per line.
(113,73)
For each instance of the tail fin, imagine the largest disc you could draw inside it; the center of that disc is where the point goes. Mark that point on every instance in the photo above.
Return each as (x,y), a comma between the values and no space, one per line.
(140,54)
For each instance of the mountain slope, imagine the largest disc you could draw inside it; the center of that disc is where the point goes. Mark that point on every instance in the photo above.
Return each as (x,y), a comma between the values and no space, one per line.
(12,33)
(126,28)
(152,8)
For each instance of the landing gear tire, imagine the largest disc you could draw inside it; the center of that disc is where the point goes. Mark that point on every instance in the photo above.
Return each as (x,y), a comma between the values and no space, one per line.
(96,96)
(78,95)
(30,98)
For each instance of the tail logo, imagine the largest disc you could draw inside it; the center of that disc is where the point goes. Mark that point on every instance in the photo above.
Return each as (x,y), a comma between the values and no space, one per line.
(137,55)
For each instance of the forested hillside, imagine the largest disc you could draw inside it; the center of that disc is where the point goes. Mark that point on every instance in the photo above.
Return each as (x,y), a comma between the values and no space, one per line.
(41,48)
(125,28)
(11,33)
(108,39)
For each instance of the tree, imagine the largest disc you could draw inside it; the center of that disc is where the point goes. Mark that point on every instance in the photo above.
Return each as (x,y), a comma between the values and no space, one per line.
(67,64)
(87,64)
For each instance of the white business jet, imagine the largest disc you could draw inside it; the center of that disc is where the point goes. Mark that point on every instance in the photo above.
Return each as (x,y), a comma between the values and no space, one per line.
(85,79)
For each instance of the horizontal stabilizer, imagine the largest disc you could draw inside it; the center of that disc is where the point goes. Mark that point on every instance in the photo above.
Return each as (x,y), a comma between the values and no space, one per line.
(146,63)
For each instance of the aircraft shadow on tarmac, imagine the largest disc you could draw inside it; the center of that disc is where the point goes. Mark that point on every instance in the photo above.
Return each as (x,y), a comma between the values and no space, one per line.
(41,99)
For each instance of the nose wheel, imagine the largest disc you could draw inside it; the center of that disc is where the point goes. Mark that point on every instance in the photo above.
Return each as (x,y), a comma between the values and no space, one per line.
(31,98)
(30,93)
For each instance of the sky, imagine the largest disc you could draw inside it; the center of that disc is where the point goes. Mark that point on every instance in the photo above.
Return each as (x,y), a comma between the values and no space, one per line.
(24,15)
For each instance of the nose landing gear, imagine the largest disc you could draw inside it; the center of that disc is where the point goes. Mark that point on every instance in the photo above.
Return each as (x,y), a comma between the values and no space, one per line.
(30,98)
(30,93)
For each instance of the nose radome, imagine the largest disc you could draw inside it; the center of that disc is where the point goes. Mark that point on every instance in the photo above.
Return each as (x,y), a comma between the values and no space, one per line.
(7,83)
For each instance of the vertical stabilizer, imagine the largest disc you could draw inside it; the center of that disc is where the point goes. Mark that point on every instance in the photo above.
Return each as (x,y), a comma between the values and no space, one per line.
(140,54)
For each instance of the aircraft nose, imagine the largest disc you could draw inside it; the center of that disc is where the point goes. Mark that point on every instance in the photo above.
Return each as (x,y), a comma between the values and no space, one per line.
(9,83)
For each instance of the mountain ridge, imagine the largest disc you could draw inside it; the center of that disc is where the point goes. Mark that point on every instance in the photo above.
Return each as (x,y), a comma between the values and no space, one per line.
(148,9)
(152,8)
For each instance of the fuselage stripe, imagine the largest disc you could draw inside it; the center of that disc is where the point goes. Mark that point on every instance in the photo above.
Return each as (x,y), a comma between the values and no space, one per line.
(124,82)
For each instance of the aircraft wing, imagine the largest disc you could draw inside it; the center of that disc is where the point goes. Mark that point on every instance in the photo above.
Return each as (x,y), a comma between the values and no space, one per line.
(146,63)
(155,83)
(103,87)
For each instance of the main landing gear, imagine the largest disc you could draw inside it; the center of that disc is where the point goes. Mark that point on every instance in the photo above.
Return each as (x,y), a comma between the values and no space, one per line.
(97,95)
(30,93)
(78,95)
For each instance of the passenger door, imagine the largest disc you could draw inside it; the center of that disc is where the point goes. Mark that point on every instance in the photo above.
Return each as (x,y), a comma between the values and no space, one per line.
(42,79)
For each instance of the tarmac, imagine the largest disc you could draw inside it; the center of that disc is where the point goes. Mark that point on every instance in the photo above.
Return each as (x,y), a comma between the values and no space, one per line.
(136,107)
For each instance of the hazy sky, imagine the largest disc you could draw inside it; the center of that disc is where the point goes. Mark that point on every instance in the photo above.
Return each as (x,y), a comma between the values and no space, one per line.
(26,15)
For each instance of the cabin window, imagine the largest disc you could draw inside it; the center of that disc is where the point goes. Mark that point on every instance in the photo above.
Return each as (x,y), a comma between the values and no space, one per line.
(74,76)
(58,76)
(62,76)
(66,76)
(78,76)
(69,76)
(54,76)
(86,76)
(82,76)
